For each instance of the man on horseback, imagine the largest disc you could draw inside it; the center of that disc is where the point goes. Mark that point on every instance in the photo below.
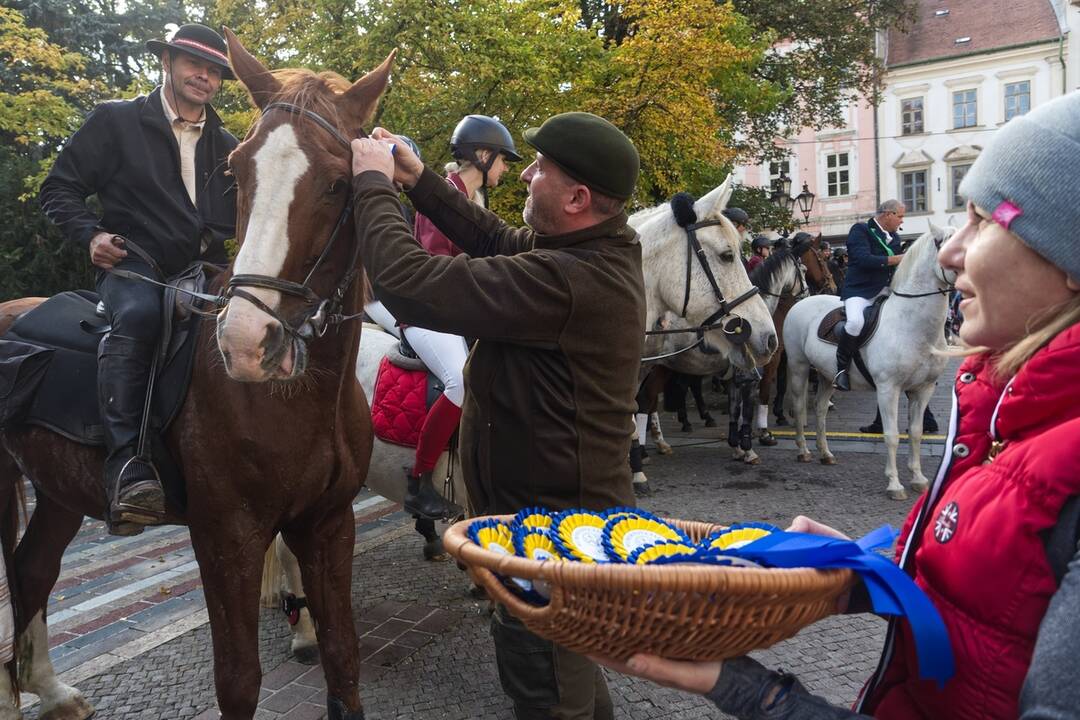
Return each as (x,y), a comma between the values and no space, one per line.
(873,249)
(559,310)
(158,166)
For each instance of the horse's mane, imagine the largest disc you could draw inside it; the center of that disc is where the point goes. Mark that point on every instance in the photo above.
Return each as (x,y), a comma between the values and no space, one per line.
(312,91)
(768,271)
(913,259)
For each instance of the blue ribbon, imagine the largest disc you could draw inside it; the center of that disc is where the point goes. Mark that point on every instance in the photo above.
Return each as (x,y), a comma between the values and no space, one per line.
(891,590)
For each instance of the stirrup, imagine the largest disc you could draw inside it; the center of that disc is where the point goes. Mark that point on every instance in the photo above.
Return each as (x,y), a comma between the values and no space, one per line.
(142,501)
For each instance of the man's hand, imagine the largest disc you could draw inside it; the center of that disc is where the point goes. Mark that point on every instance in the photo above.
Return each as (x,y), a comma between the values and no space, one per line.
(371,154)
(106,250)
(695,677)
(407,165)
(895,259)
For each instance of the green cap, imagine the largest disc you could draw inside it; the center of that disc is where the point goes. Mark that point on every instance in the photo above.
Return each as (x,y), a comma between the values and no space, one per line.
(589,149)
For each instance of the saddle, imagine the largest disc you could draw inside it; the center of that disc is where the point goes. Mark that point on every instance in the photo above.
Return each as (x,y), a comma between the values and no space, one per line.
(48,370)
(404,392)
(833,323)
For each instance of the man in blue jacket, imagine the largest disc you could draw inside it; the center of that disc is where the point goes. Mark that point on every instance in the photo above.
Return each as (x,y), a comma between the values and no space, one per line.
(873,249)
(157,164)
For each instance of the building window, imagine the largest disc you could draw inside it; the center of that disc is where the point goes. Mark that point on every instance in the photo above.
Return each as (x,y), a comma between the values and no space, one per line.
(913,190)
(1017,99)
(964,105)
(956,175)
(777,167)
(911,116)
(837,174)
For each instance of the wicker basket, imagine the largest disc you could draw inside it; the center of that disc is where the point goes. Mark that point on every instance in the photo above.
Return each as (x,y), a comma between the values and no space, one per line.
(682,611)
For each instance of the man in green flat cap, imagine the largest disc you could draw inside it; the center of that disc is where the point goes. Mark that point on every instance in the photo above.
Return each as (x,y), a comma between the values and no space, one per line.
(559,312)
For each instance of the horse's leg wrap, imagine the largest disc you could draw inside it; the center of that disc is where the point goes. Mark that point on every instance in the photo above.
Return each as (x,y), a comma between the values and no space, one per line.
(335,710)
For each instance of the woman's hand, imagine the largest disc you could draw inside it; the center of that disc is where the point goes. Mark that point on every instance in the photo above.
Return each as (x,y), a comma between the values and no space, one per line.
(803,524)
(695,677)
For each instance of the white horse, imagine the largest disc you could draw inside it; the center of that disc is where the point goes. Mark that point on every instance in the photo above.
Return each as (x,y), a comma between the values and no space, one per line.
(902,356)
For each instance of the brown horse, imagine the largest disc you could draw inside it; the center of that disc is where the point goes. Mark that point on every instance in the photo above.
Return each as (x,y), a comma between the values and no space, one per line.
(286,450)
(821,282)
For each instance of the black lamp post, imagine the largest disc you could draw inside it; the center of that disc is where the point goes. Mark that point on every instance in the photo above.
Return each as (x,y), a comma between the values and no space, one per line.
(781,194)
(806,202)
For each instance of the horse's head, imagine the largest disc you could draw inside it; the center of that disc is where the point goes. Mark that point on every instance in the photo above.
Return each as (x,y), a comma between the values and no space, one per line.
(706,287)
(817,268)
(920,270)
(293,172)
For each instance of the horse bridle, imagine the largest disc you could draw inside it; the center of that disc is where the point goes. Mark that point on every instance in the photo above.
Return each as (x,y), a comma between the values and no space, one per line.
(321,312)
(737,329)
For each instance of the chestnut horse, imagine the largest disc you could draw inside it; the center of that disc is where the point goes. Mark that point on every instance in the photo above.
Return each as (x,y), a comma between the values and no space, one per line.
(286,449)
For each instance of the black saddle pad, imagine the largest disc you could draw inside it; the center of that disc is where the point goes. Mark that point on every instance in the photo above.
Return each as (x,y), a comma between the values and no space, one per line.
(65,396)
(832,324)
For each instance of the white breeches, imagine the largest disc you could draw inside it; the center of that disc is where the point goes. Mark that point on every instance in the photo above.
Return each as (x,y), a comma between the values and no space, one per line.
(378,312)
(445,357)
(853,308)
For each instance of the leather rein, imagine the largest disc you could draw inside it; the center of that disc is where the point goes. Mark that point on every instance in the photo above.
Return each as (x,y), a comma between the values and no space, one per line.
(737,328)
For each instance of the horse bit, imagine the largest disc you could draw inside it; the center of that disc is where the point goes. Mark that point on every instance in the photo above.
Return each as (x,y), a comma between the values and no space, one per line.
(737,328)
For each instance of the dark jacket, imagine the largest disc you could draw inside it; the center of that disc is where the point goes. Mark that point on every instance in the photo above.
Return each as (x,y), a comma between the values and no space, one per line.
(550,384)
(868,271)
(126,153)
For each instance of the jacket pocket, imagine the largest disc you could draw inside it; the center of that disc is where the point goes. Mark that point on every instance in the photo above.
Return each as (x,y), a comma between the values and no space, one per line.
(526,663)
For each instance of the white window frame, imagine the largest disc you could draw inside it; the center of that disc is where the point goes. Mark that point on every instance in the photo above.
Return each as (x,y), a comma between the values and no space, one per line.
(901,102)
(900,172)
(849,167)
(1005,98)
(952,107)
(954,187)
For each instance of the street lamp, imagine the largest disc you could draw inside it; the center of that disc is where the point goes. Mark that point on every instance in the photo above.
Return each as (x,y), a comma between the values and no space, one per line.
(781,195)
(806,202)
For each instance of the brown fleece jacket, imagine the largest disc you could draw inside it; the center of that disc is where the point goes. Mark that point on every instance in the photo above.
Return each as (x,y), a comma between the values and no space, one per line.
(560,323)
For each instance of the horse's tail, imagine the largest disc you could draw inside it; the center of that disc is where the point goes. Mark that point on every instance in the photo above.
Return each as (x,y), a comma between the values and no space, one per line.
(272,575)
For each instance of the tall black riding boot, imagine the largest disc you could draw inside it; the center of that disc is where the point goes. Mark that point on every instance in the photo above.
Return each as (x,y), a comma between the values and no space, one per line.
(423,501)
(844,350)
(133,489)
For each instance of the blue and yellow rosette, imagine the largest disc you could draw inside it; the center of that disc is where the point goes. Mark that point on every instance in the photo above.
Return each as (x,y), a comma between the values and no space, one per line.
(495,535)
(616,512)
(579,535)
(729,540)
(664,551)
(626,533)
(533,517)
(536,544)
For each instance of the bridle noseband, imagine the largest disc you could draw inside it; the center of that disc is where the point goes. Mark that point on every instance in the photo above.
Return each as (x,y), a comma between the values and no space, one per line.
(321,312)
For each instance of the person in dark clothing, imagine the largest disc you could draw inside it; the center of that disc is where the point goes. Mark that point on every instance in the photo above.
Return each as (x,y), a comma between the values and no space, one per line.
(873,253)
(547,417)
(157,164)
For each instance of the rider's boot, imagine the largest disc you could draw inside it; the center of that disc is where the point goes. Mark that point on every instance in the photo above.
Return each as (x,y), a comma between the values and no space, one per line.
(423,501)
(844,350)
(133,490)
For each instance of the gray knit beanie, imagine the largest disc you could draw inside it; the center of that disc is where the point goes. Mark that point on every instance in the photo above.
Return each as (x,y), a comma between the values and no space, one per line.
(1028,178)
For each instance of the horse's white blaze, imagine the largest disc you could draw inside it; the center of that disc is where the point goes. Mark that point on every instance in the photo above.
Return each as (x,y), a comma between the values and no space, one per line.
(279,165)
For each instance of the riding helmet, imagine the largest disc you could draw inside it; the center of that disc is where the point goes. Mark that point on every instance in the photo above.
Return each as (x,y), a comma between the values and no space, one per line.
(760,241)
(737,216)
(480,131)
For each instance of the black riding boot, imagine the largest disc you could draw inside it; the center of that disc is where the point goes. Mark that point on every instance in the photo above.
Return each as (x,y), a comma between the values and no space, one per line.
(844,351)
(423,501)
(133,489)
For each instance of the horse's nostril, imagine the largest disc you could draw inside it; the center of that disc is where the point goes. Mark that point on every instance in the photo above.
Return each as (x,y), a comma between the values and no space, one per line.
(771,344)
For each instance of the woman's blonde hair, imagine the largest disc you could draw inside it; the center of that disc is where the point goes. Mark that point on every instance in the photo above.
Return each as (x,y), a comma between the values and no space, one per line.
(1042,329)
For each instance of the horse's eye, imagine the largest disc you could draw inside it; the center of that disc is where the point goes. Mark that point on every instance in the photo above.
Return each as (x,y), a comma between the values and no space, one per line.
(338,186)
(727,256)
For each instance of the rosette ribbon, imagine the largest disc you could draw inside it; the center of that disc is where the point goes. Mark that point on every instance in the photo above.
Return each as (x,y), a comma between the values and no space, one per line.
(891,590)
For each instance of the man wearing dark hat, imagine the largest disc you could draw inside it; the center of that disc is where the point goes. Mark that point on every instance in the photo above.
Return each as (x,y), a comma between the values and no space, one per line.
(559,310)
(157,164)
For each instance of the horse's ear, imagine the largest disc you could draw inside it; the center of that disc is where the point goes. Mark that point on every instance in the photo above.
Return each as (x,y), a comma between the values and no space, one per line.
(713,202)
(260,83)
(358,102)
(938,232)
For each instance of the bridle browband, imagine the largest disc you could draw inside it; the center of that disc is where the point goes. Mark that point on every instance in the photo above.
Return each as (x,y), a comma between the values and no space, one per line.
(737,329)
(321,312)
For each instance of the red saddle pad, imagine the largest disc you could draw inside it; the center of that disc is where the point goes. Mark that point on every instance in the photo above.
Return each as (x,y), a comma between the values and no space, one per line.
(400,404)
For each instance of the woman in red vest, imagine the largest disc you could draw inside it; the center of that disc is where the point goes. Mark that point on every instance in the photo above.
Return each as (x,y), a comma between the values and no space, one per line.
(994,542)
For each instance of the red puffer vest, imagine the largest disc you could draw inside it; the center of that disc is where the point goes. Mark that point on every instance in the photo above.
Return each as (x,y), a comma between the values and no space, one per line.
(975,544)
(429,236)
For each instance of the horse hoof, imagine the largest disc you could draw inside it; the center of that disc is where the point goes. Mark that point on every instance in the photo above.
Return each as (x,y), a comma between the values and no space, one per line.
(709,422)
(752,459)
(75,708)
(804,457)
(434,551)
(664,449)
(781,421)
(828,460)
(642,489)
(306,655)
(920,487)
(900,494)
(687,427)
(767,439)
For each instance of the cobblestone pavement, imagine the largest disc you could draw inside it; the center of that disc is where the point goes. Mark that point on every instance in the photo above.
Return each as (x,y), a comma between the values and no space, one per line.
(127,615)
